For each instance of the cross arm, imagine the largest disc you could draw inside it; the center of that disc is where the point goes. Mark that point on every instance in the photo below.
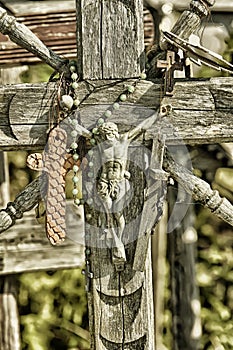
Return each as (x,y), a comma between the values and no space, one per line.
(202,110)
(25,38)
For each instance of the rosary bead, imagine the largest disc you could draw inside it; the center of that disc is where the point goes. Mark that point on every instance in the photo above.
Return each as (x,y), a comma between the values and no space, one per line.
(90,164)
(123,97)
(95,130)
(74,122)
(75,157)
(75,191)
(116,106)
(75,168)
(90,174)
(101,121)
(74,85)
(67,101)
(77,102)
(88,216)
(74,133)
(143,76)
(108,114)
(77,201)
(90,153)
(74,76)
(72,69)
(88,251)
(131,88)
(92,141)
(89,201)
(75,179)
(74,145)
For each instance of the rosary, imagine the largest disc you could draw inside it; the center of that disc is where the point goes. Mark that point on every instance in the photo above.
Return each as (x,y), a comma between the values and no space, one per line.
(71,147)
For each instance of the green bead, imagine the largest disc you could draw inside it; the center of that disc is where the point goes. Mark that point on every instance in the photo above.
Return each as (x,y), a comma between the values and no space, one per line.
(95,130)
(90,153)
(75,179)
(143,76)
(72,68)
(74,122)
(74,85)
(116,106)
(88,216)
(77,102)
(77,201)
(74,133)
(75,192)
(75,168)
(131,88)
(74,145)
(92,141)
(90,174)
(101,121)
(74,76)
(89,201)
(108,114)
(88,251)
(91,164)
(75,157)
(123,97)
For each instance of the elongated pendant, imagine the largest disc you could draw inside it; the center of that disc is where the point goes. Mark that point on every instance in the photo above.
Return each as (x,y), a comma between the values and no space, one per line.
(54,165)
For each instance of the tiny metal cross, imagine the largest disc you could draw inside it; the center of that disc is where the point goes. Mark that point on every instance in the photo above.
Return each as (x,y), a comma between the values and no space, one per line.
(171,64)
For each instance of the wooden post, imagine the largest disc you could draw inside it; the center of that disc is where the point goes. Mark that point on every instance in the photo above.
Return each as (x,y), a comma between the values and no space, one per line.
(110,45)
(110,39)
(9,318)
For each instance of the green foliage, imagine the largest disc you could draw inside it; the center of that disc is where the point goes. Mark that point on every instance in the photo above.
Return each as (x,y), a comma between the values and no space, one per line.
(215,277)
(53,310)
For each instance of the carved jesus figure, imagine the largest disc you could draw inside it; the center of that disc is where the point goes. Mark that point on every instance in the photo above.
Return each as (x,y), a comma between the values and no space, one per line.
(112,184)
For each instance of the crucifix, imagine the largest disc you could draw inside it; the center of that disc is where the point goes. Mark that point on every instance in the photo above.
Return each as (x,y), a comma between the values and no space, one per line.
(171,64)
(119,285)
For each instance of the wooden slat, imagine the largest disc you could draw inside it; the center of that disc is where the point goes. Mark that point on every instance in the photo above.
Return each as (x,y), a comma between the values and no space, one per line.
(202,110)
(23,249)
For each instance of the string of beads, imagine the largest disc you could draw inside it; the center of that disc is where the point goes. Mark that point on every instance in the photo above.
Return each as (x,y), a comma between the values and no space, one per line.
(69,103)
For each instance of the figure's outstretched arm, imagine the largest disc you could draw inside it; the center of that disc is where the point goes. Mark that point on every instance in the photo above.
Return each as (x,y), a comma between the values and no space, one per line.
(144,125)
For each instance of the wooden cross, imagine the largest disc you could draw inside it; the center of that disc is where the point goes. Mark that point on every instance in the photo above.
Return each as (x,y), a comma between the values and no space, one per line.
(111,55)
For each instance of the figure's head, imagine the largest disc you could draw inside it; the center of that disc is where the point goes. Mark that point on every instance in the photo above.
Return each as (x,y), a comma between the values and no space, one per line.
(108,131)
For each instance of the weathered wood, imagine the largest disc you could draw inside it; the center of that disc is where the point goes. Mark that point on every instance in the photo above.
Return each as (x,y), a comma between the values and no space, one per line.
(22,36)
(200,190)
(202,110)
(24,250)
(113,32)
(9,317)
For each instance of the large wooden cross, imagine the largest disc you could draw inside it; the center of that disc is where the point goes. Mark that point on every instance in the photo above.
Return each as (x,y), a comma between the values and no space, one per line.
(111,56)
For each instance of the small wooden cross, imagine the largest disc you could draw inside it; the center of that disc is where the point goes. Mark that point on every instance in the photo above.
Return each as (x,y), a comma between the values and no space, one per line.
(171,64)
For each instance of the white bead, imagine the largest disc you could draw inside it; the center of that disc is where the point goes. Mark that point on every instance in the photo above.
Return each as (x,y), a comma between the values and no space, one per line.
(75,168)
(75,192)
(67,101)
(74,76)
(74,145)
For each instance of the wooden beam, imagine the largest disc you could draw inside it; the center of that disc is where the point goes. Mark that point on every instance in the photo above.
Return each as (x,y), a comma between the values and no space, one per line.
(202,110)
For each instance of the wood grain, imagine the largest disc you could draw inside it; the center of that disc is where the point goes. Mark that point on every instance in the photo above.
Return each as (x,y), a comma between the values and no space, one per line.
(202,110)
(113,32)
